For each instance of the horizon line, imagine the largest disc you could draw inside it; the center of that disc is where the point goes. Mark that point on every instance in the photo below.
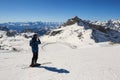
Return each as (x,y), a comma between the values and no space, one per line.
(26,21)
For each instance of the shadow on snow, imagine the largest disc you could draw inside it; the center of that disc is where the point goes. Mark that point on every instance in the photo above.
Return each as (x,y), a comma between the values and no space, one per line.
(54,69)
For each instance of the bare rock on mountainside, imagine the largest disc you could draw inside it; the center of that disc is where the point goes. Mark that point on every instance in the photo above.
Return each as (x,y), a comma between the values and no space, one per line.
(53,33)
(72,21)
(84,23)
(27,30)
(11,33)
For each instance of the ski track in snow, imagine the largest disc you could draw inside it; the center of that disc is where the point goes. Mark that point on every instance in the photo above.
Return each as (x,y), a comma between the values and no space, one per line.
(61,43)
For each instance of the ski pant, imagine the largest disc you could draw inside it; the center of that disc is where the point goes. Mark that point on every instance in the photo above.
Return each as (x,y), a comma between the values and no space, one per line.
(34,58)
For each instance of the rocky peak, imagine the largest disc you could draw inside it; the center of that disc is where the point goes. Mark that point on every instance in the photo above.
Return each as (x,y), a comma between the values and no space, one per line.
(72,21)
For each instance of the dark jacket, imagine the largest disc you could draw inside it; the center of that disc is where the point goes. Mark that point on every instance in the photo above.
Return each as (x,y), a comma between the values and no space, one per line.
(34,45)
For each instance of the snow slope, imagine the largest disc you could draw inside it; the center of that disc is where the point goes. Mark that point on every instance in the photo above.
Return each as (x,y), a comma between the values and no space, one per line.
(72,34)
(62,62)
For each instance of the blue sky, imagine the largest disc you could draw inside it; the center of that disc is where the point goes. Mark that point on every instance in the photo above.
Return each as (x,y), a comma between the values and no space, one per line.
(58,10)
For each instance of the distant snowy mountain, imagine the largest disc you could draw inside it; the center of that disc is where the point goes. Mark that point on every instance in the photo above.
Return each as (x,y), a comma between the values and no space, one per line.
(111,30)
(37,27)
(112,24)
(76,30)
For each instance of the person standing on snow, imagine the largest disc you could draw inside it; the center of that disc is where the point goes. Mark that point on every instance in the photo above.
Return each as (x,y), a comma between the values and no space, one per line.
(34,42)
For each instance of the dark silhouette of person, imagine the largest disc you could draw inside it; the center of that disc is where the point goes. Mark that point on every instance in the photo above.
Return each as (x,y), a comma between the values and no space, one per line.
(34,42)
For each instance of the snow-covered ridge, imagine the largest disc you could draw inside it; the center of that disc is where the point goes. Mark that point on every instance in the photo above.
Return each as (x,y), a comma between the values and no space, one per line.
(112,24)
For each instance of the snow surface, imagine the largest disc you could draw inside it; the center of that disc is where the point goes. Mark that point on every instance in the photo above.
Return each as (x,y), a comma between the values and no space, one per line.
(61,61)
(64,56)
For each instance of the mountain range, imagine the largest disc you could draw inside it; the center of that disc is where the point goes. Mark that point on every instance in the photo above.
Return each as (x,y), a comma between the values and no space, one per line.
(37,27)
(73,30)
